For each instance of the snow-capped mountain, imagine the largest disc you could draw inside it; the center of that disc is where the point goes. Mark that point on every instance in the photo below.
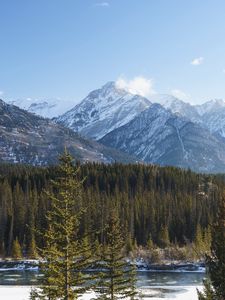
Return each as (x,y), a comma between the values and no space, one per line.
(27,138)
(104,110)
(171,132)
(49,108)
(213,116)
(177,106)
(210,106)
(210,115)
(159,136)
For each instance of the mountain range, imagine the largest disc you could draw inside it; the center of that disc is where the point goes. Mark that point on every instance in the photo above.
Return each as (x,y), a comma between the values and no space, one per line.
(210,115)
(158,136)
(47,108)
(161,129)
(31,139)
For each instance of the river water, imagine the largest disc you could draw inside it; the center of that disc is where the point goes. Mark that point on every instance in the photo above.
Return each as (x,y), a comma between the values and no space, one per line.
(152,285)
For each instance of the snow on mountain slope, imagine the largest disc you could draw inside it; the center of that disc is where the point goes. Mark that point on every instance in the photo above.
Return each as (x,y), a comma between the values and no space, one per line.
(169,133)
(210,106)
(159,136)
(46,108)
(104,110)
(27,138)
(210,115)
(177,106)
(108,108)
(213,116)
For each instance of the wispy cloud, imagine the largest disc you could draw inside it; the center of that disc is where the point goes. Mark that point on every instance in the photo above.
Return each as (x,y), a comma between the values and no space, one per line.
(102,4)
(138,85)
(180,94)
(1,93)
(197,61)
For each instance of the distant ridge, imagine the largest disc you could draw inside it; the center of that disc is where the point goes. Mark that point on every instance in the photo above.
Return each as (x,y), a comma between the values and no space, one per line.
(27,138)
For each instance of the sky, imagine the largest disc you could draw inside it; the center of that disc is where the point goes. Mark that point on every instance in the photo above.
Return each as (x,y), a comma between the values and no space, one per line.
(66,48)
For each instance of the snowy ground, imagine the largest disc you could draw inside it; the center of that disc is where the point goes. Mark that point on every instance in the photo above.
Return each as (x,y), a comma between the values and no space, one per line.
(159,293)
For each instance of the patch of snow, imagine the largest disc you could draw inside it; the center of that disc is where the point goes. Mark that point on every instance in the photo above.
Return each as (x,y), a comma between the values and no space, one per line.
(210,106)
(48,108)
(153,293)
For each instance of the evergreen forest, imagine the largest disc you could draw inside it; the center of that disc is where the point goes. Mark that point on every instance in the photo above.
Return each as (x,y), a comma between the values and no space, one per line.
(156,205)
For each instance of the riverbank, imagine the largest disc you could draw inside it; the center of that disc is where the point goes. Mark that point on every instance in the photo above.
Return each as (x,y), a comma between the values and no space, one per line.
(170,266)
(141,265)
(153,293)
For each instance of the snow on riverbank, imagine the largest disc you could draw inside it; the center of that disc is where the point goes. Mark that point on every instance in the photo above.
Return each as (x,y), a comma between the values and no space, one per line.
(17,265)
(141,265)
(155,293)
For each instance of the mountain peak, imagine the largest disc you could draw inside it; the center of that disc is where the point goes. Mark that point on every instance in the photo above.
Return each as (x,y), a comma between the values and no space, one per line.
(109,85)
(214,102)
(210,106)
(177,106)
(161,137)
(103,110)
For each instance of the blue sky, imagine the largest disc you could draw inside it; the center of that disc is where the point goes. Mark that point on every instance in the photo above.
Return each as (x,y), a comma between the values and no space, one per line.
(65,48)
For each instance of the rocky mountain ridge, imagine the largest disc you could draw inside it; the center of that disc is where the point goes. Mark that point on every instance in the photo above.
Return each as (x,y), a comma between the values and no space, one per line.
(110,107)
(160,137)
(27,138)
(171,132)
(103,110)
(150,131)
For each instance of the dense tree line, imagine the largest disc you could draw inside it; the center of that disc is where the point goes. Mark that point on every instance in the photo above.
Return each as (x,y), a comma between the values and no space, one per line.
(155,204)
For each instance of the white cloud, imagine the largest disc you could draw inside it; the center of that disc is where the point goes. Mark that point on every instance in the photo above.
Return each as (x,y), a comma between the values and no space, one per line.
(180,94)
(1,93)
(138,85)
(102,4)
(197,61)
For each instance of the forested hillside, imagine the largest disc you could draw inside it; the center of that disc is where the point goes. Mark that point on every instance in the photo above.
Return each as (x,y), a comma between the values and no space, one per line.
(164,204)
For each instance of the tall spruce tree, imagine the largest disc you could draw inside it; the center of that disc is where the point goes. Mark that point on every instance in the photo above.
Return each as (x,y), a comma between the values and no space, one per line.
(119,278)
(32,249)
(16,250)
(214,287)
(65,254)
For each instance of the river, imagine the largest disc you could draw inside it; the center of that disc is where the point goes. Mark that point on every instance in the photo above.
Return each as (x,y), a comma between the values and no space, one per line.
(15,284)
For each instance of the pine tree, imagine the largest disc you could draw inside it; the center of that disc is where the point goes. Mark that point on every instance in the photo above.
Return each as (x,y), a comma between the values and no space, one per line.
(32,249)
(199,241)
(214,287)
(207,239)
(129,244)
(16,249)
(66,255)
(163,238)
(208,292)
(118,280)
(150,244)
